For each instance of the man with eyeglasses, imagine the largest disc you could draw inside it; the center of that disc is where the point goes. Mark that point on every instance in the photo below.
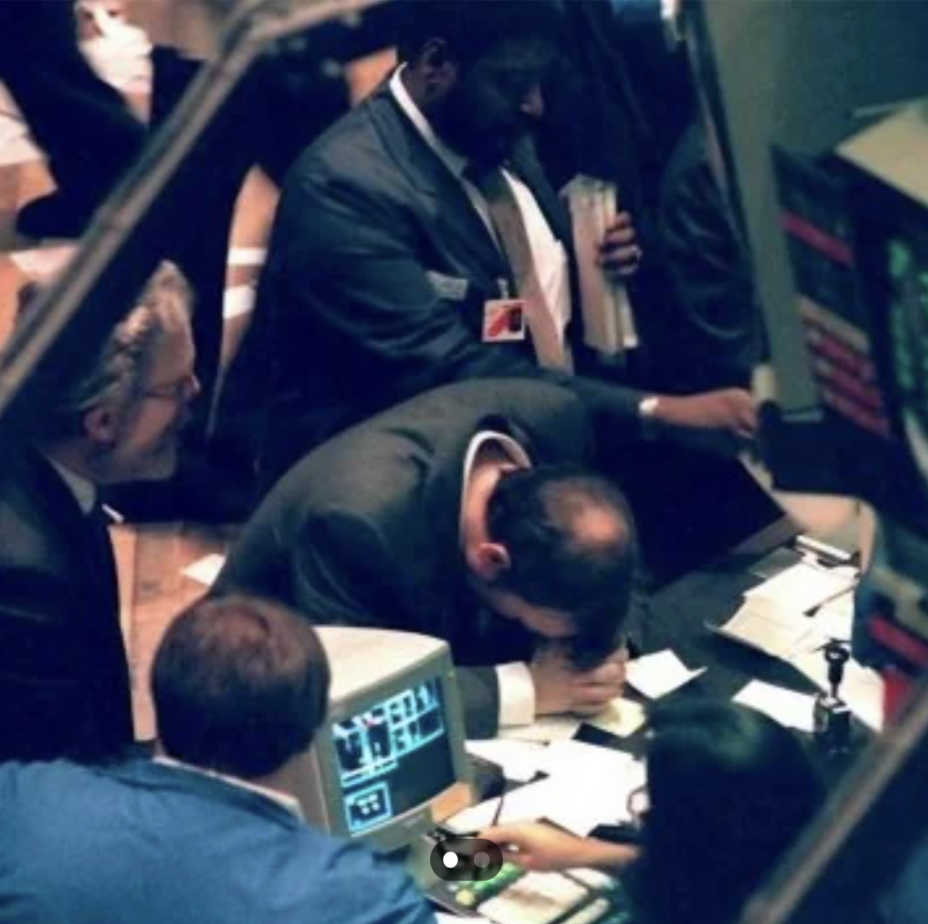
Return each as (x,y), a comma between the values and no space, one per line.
(64,683)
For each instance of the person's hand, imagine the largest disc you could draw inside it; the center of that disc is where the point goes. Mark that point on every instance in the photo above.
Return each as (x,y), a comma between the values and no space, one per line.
(725,419)
(537,846)
(619,253)
(560,686)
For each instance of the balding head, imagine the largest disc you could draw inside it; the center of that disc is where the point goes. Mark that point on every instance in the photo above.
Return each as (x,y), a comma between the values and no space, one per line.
(570,545)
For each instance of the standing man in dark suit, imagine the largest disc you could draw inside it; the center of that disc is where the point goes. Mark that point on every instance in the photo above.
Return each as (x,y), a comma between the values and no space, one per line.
(434,518)
(391,263)
(64,684)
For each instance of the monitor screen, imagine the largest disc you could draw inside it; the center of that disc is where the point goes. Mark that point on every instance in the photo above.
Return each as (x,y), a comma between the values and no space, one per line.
(393,756)
(389,764)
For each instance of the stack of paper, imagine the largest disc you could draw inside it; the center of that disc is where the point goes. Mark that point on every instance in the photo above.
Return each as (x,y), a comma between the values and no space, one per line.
(806,586)
(772,627)
(608,322)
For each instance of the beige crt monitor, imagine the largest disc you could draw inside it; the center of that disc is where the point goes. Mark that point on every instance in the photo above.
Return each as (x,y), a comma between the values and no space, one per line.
(389,762)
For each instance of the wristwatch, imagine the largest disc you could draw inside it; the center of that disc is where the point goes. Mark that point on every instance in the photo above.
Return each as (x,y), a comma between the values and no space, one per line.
(647,416)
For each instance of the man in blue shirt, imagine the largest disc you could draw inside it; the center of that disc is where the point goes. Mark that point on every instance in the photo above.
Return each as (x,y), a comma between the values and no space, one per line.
(207,832)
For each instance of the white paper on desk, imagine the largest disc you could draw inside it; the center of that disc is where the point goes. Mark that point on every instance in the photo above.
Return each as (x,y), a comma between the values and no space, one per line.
(622,717)
(835,619)
(770,627)
(861,687)
(805,586)
(543,730)
(608,322)
(527,803)
(519,760)
(795,710)
(584,803)
(656,675)
(205,570)
(578,759)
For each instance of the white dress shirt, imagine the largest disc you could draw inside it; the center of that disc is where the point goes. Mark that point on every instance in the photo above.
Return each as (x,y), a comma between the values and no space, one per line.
(548,253)
(516,687)
(84,491)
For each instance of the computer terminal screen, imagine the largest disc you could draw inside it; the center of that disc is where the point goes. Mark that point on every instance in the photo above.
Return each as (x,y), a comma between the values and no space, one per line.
(393,756)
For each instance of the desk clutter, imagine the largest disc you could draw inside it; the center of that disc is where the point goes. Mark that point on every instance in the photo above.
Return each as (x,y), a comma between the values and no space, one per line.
(792,616)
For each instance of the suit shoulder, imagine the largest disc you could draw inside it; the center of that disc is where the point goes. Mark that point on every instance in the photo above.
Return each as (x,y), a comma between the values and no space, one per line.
(348,152)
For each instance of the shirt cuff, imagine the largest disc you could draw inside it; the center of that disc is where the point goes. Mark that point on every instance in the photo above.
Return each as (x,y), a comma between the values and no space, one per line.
(516,694)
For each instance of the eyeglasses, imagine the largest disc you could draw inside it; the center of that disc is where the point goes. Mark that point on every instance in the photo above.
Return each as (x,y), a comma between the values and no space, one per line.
(186,389)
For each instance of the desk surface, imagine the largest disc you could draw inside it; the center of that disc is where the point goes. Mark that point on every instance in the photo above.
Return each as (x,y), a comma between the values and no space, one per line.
(676,617)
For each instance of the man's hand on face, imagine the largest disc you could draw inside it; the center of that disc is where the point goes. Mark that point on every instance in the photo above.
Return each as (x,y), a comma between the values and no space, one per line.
(560,686)
(723,420)
(619,253)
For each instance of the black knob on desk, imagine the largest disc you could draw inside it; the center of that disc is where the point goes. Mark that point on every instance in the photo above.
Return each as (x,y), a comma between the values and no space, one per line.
(837,655)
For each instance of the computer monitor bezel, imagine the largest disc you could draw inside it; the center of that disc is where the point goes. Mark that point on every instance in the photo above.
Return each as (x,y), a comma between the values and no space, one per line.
(324,803)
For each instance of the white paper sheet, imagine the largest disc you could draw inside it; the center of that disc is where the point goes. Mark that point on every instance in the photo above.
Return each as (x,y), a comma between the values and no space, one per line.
(578,759)
(576,804)
(622,717)
(205,570)
(795,710)
(545,729)
(527,803)
(805,586)
(835,620)
(519,760)
(608,321)
(656,675)
(771,627)
(583,806)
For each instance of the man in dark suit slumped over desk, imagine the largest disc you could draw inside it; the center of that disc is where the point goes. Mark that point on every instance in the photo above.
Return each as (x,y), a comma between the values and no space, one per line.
(461,514)
(404,237)
(64,684)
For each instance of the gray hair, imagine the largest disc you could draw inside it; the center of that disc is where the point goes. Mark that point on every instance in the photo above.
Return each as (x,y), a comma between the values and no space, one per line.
(117,376)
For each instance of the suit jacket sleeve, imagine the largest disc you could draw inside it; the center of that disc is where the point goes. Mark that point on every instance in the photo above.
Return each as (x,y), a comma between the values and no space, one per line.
(719,338)
(344,572)
(47,710)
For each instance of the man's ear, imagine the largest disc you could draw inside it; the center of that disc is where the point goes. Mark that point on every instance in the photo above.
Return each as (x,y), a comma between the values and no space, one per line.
(438,68)
(490,561)
(101,425)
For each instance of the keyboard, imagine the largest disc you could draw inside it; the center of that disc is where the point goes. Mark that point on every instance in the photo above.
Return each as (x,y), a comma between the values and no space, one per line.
(515,896)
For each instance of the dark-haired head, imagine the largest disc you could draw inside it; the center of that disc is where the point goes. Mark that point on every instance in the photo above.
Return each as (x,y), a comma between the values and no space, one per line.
(240,686)
(728,790)
(475,69)
(567,548)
